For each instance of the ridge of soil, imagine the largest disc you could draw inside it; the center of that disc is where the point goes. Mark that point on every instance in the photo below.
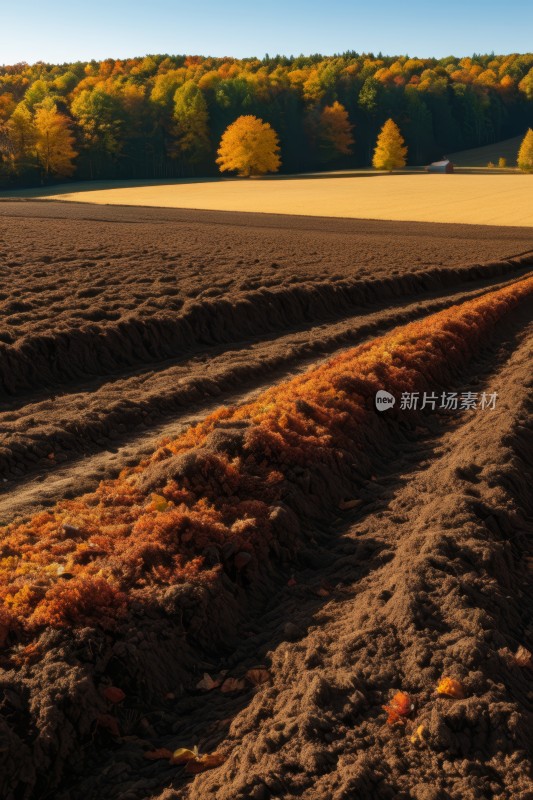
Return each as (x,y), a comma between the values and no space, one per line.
(154,658)
(430,580)
(113,422)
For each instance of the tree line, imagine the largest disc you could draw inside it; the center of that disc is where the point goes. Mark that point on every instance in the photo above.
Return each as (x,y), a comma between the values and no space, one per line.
(164,116)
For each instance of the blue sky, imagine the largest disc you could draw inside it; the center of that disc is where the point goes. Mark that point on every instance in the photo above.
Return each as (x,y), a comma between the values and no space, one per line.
(32,30)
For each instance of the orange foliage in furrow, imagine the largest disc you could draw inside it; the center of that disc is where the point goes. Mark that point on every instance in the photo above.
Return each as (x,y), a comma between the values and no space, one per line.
(88,558)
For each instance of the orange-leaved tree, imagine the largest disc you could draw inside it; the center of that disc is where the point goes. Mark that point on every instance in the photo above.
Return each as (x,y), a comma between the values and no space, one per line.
(54,141)
(390,149)
(249,146)
(335,132)
(525,154)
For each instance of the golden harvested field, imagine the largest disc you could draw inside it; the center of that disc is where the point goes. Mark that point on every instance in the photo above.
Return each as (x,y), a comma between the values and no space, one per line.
(474,199)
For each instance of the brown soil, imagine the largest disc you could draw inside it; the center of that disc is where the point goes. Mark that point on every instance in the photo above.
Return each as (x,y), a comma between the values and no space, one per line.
(146,314)
(427,576)
(428,580)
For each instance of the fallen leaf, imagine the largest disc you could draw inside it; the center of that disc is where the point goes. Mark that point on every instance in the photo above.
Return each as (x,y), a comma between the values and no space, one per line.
(345,505)
(114,694)
(400,706)
(183,755)
(205,762)
(418,735)
(449,687)
(108,723)
(155,755)
(258,676)
(207,683)
(233,685)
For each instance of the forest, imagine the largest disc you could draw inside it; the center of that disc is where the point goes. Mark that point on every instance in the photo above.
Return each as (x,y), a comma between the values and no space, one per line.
(163,116)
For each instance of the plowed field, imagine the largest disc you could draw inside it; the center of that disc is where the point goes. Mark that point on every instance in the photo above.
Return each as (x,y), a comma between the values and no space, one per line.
(212,538)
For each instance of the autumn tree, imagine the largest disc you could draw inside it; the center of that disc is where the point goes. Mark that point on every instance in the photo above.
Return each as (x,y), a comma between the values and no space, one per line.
(36,94)
(334,132)
(390,149)
(22,136)
(7,106)
(99,116)
(526,85)
(525,154)
(157,116)
(54,143)
(250,147)
(191,120)
(165,86)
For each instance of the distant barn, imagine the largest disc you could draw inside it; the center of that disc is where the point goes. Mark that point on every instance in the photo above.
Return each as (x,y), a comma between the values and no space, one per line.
(440,166)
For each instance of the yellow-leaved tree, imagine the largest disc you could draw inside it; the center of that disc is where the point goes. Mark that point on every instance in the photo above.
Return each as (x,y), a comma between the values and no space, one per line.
(21,133)
(525,154)
(249,146)
(390,149)
(54,143)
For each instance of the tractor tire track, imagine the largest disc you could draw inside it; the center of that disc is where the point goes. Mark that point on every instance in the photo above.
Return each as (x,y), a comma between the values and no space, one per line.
(114,423)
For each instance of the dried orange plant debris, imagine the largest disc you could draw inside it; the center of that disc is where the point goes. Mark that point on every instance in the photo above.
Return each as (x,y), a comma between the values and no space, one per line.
(449,687)
(398,708)
(86,560)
